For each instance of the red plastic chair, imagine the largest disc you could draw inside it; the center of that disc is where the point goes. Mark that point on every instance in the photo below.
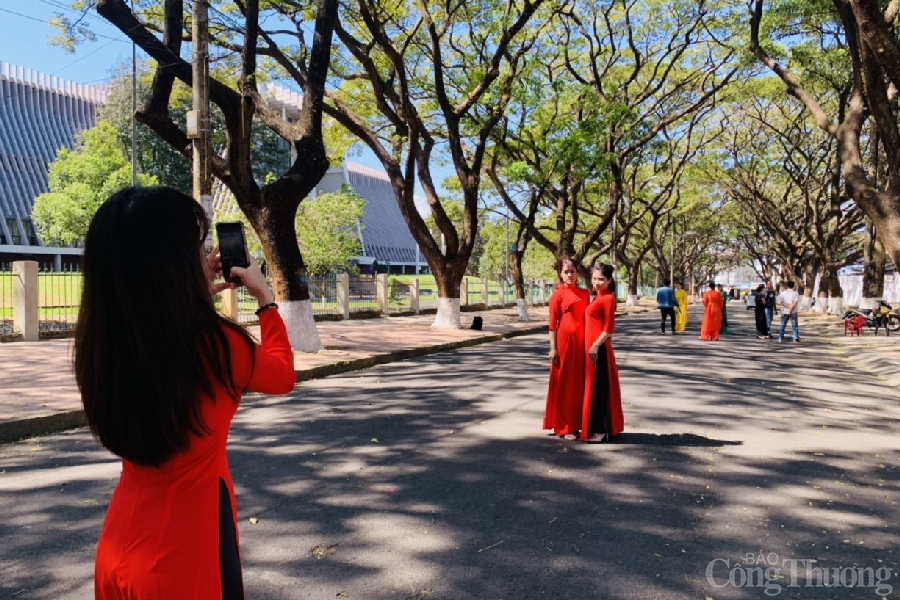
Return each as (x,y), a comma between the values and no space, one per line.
(854,325)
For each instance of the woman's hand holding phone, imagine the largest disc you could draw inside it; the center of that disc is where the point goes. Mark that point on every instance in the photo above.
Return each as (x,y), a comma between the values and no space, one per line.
(213,268)
(255,282)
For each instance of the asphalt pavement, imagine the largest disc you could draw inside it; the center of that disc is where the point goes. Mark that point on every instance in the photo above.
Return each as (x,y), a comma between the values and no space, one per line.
(431,479)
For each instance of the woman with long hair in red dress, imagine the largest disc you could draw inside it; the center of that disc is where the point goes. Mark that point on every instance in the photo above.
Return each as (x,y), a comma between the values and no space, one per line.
(602,415)
(567,357)
(712,316)
(161,375)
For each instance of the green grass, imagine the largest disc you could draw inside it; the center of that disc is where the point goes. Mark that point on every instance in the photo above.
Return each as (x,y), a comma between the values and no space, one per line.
(59,295)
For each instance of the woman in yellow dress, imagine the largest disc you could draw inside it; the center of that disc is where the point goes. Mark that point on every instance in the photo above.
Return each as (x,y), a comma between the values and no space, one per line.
(681,301)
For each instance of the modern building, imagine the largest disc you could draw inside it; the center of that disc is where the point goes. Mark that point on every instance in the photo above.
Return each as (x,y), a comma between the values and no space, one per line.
(39,114)
(383,233)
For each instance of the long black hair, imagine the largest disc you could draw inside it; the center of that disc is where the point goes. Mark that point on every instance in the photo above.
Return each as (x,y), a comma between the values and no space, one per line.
(610,274)
(149,345)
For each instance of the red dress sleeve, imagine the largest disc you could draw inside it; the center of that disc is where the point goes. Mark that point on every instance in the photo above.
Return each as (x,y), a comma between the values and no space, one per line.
(555,311)
(273,362)
(609,315)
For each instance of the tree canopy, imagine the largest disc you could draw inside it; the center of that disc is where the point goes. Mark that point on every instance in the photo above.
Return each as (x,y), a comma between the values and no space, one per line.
(80,180)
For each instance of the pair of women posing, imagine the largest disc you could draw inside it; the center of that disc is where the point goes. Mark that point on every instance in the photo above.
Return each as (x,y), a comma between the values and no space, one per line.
(584,395)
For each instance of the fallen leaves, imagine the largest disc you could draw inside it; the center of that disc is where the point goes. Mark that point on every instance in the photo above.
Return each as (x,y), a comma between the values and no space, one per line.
(320,552)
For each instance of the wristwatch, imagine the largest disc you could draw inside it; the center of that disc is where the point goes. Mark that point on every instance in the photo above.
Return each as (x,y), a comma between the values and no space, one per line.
(260,310)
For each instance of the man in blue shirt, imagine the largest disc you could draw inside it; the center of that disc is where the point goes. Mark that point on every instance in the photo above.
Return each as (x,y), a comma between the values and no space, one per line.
(665,301)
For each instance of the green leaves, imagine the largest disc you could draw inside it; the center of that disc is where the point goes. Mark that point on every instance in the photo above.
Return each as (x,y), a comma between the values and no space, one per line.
(327,229)
(80,181)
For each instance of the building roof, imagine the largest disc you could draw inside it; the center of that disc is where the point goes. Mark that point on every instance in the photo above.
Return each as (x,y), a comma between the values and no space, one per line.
(385,234)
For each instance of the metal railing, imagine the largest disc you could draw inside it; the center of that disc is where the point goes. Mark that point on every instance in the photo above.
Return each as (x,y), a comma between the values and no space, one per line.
(428,299)
(59,297)
(322,298)
(323,295)
(363,294)
(399,296)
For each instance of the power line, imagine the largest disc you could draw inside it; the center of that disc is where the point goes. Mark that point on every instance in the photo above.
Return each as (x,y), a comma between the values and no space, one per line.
(44,22)
(61,69)
(87,14)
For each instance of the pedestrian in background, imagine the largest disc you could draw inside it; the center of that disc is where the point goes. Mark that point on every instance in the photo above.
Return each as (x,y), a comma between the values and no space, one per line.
(770,305)
(565,393)
(161,375)
(712,314)
(789,303)
(681,305)
(602,408)
(665,301)
(759,313)
(724,328)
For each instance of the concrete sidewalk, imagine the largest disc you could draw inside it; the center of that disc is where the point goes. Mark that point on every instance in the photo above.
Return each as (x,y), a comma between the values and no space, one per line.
(877,356)
(38,392)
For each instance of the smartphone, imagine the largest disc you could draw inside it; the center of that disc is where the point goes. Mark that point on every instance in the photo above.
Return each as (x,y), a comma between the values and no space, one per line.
(232,247)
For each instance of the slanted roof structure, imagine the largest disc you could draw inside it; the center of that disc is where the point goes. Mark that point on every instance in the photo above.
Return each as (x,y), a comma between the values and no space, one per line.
(39,114)
(384,233)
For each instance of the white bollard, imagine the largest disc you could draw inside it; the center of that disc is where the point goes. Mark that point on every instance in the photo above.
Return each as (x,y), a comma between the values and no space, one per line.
(414,296)
(25,299)
(343,295)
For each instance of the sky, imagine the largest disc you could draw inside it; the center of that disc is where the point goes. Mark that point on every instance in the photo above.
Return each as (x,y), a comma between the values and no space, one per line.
(24,42)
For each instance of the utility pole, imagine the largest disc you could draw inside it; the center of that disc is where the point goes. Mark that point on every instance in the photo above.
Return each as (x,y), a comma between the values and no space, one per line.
(133,109)
(508,249)
(198,119)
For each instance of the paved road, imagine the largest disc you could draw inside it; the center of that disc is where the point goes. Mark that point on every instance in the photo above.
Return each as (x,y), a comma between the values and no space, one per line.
(430,479)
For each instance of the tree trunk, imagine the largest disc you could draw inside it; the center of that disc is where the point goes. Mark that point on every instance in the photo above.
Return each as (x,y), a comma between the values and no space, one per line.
(448,281)
(829,288)
(519,278)
(634,276)
(275,227)
(873,271)
(804,285)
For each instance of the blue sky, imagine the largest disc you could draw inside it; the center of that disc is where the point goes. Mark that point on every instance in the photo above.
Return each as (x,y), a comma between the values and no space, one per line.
(24,42)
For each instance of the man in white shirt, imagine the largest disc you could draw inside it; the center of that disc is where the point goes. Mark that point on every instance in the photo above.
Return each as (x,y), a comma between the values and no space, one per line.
(789,303)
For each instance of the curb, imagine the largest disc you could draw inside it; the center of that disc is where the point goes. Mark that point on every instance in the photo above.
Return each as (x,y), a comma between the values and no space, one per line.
(19,429)
(880,368)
